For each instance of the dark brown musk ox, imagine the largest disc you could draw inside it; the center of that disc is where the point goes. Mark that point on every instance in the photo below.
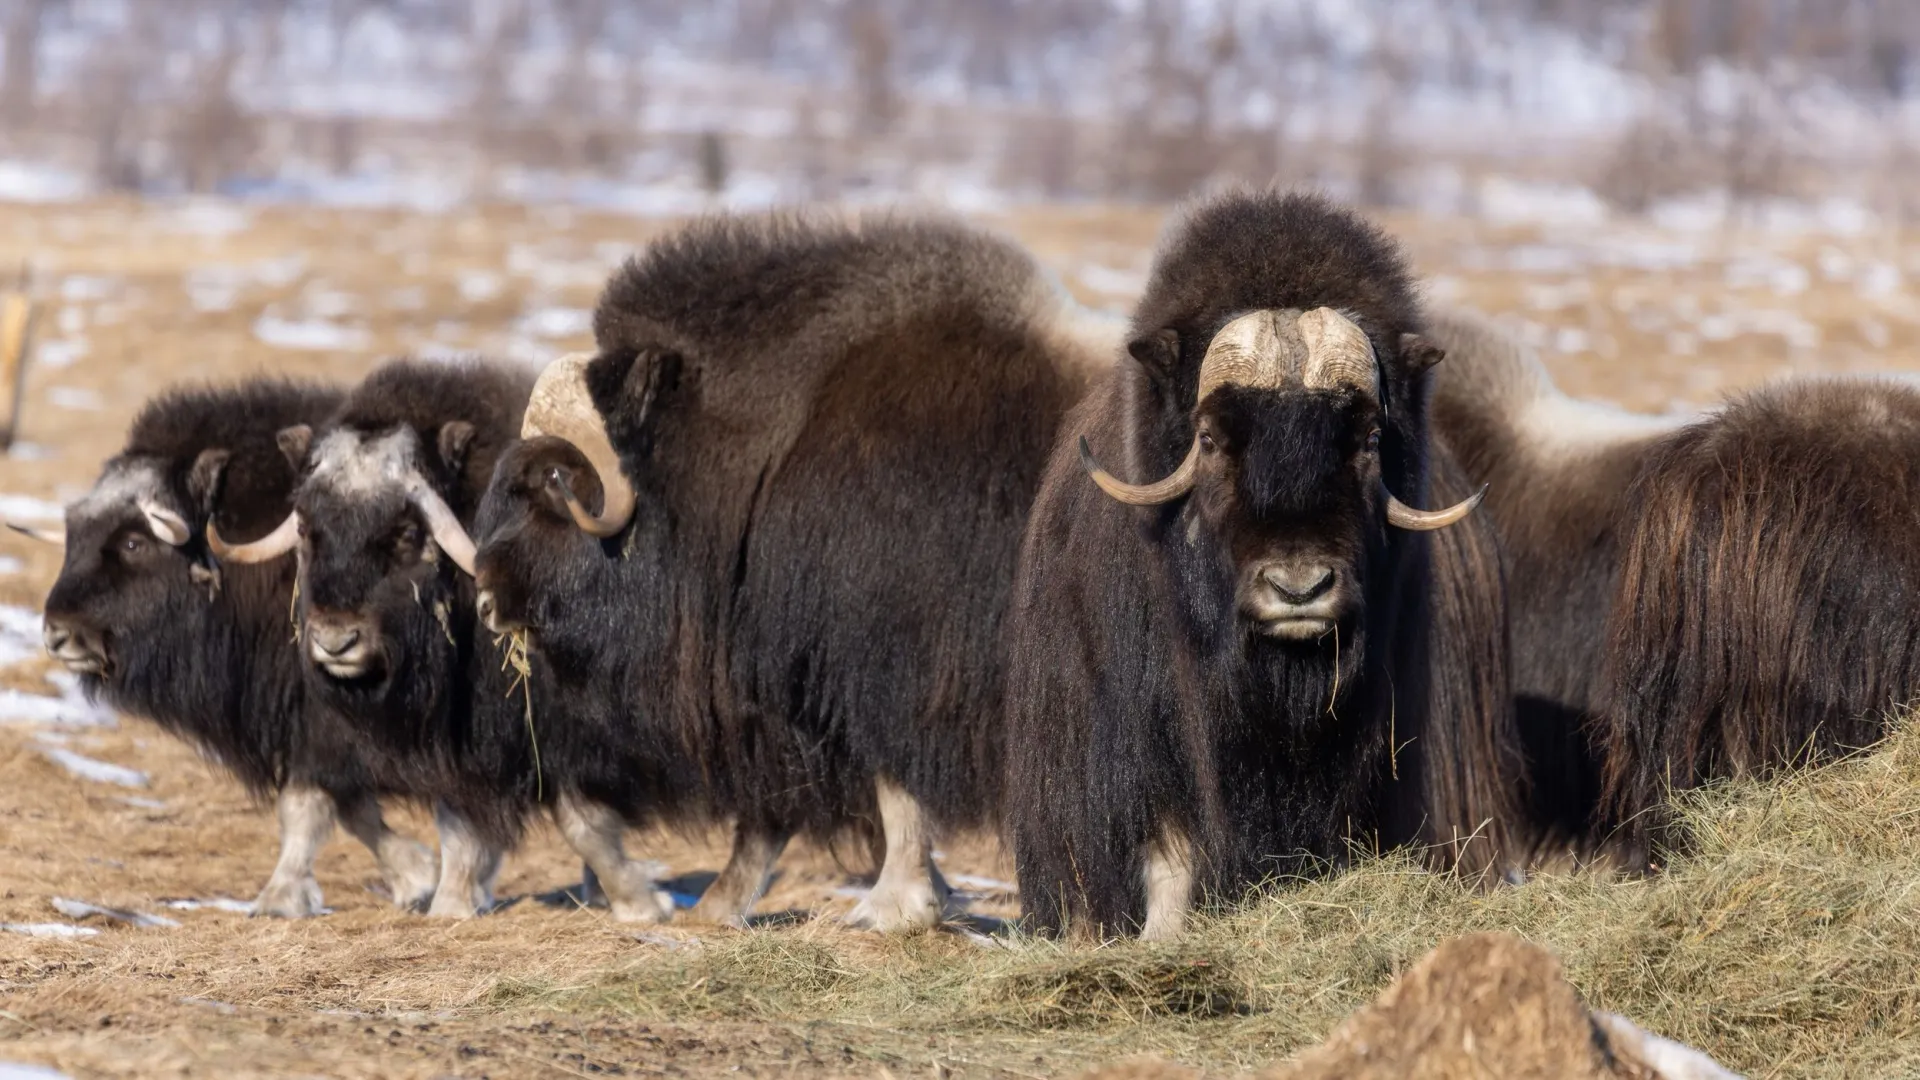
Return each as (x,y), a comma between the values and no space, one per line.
(1558,470)
(768,528)
(1230,672)
(152,626)
(385,602)
(1764,615)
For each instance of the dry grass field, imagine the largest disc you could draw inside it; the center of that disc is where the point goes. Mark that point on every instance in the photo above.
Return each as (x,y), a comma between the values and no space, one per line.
(1789,945)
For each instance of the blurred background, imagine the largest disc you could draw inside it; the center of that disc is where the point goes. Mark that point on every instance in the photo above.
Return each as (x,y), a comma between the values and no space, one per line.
(1729,110)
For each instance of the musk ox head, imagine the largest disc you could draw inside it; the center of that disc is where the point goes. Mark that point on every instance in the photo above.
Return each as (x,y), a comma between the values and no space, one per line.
(130,561)
(373,535)
(538,521)
(1284,473)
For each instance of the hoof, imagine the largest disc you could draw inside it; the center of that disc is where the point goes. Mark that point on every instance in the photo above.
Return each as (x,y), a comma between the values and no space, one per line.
(899,909)
(411,877)
(298,899)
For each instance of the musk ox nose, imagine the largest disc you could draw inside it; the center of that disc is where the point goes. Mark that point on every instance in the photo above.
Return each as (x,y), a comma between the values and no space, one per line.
(332,642)
(73,646)
(340,645)
(1300,585)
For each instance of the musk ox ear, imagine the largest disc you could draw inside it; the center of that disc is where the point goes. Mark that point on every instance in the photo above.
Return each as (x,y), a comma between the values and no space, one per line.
(203,480)
(456,438)
(1158,352)
(1419,352)
(294,442)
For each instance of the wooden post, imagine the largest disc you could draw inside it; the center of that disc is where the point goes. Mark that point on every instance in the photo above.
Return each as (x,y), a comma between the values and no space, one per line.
(16,346)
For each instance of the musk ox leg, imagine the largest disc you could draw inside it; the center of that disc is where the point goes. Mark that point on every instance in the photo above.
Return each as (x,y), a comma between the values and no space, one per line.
(1169,874)
(406,865)
(744,879)
(468,865)
(910,894)
(306,821)
(595,833)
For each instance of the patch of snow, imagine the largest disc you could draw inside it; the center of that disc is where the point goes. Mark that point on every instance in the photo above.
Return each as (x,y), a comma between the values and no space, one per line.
(556,322)
(139,803)
(81,909)
(20,632)
(308,334)
(8,566)
(209,217)
(49,929)
(281,272)
(1111,280)
(76,288)
(218,903)
(28,451)
(28,182)
(60,352)
(76,398)
(14,1071)
(980,884)
(1505,201)
(87,768)
(478,286)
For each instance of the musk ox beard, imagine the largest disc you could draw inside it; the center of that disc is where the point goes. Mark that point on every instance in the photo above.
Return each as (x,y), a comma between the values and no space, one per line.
(1764,616)
(1232,674)
(769,527)
(150,624)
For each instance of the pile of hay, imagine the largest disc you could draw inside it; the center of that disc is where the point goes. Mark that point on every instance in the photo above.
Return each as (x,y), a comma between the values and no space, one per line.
(1784,942)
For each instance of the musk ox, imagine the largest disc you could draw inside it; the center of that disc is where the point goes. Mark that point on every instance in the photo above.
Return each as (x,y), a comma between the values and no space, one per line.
(385,600)
(769,528)
(149,623)
(1764,614)
(1558,471)
(1259,653)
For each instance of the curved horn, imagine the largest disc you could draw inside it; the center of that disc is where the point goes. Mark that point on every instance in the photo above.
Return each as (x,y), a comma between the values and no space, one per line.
(284,538)
(1400,515)
(34,532)
(170,527)
(561,407)
(441,522)
(1167,490)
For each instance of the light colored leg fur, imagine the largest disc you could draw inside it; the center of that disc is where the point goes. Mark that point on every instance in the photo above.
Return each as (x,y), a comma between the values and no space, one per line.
(467,868)
(306,821)
(743,881)
(406,865)
(910,894)
(1169,873)
(595,833)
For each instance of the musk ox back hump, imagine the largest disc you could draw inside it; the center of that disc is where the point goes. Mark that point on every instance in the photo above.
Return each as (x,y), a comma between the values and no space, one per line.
(1769,581)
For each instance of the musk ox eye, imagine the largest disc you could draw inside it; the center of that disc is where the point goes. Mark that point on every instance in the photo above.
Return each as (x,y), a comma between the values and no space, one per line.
(133,544)
(1373,441)
(553,477)
(1206,443)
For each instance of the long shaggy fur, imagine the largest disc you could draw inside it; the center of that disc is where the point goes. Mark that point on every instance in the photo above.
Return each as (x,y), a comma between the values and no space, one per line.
(1557,472)
(1135,699)
(1764,614)
(446,722)
(221,670)
(835,432)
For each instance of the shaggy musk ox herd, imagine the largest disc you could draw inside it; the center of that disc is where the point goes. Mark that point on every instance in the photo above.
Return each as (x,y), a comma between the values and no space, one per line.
(862,531)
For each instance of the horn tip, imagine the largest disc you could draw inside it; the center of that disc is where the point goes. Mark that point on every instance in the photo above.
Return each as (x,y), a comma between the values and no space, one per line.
(1086,456)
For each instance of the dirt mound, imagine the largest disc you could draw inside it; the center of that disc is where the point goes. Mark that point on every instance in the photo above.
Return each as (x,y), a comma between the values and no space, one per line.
(1479,1007)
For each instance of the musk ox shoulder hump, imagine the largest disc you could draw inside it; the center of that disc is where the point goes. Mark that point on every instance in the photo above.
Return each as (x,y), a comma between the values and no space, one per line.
(739,280)
(1241,250)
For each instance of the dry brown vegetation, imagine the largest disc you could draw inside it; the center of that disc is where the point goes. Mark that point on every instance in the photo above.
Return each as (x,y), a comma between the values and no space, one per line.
(1785,945)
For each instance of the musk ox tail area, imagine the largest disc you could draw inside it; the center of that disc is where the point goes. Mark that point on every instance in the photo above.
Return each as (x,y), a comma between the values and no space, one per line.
(1765,614)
